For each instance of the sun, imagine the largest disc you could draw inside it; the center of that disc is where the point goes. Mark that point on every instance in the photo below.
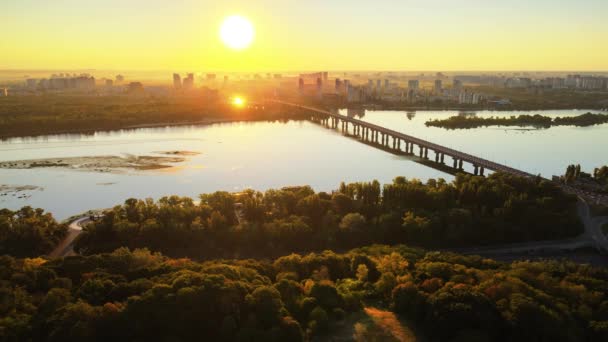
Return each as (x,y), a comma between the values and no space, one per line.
(238,101)
(237,32)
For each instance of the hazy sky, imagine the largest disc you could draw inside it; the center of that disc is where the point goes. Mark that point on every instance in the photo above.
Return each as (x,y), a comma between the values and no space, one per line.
(311,34)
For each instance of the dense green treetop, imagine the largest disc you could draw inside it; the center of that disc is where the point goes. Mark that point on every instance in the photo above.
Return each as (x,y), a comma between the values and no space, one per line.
(472,210)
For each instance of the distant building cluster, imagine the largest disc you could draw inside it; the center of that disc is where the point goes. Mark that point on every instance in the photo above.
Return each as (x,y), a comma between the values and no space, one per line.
(187,83)
(315,85)
(576,82)
(62,82)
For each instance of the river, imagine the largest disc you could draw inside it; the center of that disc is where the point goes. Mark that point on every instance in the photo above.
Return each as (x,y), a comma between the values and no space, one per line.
(263,155)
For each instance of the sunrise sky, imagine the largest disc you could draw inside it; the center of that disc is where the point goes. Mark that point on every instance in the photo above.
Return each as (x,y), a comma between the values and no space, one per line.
(306,35)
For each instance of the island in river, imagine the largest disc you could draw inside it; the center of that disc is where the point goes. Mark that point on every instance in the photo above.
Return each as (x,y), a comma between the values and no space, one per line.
(540,121)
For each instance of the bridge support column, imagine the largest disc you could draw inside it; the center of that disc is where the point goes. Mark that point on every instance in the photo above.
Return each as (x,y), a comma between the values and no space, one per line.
(460,165)
(481,170)
(455,163)
(475,170)
(426,153)
(421,151)
(436,157)
(442,156)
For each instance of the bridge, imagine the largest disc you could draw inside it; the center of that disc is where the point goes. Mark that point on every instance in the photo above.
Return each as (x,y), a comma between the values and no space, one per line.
(400,142)
(403,143)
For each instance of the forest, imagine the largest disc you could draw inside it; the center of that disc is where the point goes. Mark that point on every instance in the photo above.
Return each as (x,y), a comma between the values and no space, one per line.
(29,232)
(142,296)
(470,211)
(255,266)
(58,114)
(539,121)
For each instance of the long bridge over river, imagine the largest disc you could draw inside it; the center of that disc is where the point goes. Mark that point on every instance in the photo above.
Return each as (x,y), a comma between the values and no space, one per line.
(403,143)
(400,142)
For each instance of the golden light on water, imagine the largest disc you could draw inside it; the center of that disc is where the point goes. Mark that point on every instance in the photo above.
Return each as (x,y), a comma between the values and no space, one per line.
(237,32)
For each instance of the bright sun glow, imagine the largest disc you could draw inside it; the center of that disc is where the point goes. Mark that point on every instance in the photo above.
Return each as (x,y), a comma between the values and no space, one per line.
(237,32)
(238,101)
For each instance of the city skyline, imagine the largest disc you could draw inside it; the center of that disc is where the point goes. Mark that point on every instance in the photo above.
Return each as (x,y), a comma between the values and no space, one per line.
(470,35)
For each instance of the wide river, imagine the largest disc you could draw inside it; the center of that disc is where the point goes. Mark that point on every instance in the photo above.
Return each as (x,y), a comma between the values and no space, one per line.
(263,155)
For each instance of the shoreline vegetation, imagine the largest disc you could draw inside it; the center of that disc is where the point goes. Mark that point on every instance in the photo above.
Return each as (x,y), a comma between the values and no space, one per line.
(538,121)
(28,116)
(470,211)
(22,116)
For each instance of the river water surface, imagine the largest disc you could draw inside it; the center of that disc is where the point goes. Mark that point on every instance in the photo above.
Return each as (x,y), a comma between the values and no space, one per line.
(263,155)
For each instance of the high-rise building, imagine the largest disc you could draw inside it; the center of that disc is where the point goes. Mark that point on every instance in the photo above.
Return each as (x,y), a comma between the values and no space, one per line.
(438,87)
(188,82)
(135,88)
(387,84)
(413,84)
(338,85)
(177,82)
(457,85)
(31,83)
(319,88)
(301,85)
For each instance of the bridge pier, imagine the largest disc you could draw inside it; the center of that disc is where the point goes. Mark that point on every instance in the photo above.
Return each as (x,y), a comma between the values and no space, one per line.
(481,170)
(460,165)
(475,169)
(426,153)
(442,156)
(455,163)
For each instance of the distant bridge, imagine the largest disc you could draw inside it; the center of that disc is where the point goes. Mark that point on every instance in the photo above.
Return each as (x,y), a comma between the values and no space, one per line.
(403,143)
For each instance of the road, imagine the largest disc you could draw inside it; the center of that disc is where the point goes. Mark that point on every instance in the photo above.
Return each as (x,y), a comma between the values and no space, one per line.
(66,247)
(591,237)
